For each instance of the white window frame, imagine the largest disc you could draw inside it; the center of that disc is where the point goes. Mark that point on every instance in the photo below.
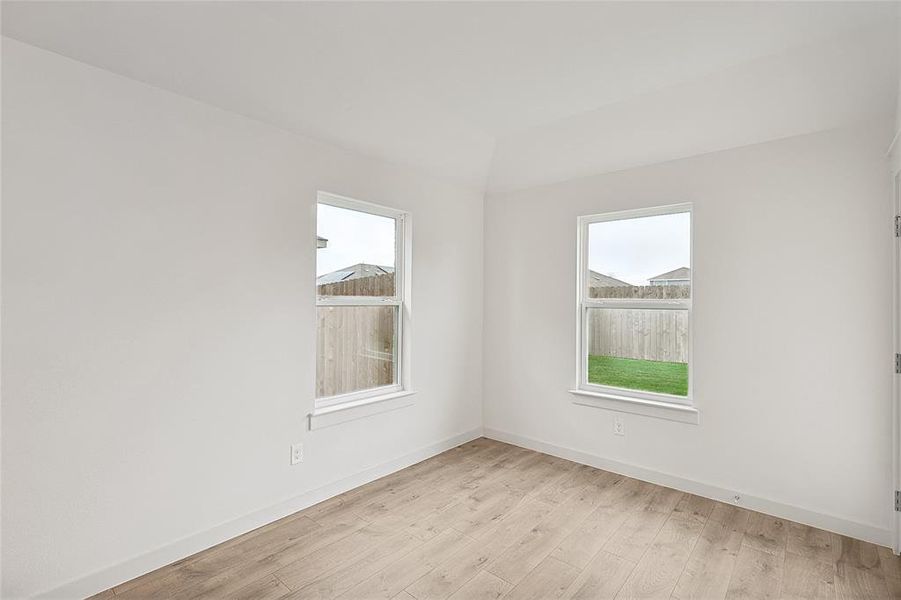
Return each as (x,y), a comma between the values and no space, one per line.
(651,401)
(402,387)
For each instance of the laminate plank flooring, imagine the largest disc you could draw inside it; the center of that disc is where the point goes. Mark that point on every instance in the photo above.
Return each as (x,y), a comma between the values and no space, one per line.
(491,521)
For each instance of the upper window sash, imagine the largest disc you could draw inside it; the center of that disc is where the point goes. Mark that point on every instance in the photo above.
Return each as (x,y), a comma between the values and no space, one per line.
(399,217)
(584,286)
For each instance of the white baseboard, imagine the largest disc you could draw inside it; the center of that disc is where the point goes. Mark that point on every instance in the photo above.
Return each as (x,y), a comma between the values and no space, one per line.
(861,531)
(133,567)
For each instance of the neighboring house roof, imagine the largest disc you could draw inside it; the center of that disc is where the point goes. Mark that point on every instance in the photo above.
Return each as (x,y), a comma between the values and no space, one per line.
(681,274)
(596,279)
(353,272)
(321,242)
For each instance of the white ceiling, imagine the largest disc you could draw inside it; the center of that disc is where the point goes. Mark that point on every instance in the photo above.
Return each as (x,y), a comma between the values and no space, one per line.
(504,94)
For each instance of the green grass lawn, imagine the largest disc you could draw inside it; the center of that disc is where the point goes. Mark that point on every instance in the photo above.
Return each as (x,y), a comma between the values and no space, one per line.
(647,375)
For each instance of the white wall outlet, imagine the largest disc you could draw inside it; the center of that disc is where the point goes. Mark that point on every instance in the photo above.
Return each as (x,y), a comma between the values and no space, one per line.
(736,499)
(618,427)
(296,453)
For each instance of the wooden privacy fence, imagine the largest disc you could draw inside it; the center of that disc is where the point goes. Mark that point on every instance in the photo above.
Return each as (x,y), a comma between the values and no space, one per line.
(647,292)
(355,344)
(644,334)
(376,285)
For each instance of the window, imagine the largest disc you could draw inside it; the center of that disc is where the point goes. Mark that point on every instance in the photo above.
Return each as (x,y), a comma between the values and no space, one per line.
(635,304)
(360,306)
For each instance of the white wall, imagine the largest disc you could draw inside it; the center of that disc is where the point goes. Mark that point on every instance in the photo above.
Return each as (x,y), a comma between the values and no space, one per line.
(792,337)
(158,318)
(894,146)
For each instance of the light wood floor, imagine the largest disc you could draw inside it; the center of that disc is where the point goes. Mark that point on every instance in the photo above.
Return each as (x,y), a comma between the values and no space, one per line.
(488,520)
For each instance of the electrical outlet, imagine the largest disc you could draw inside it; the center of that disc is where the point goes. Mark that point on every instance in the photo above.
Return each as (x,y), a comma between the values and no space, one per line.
(618,427)
(736,499)
(296,453)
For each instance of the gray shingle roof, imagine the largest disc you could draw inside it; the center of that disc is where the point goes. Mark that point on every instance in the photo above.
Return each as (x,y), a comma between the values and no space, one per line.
(353,272)
(680,273)
(596,279)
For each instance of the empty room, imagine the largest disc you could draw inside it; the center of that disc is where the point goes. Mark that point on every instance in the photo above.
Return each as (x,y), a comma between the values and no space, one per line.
(450,300)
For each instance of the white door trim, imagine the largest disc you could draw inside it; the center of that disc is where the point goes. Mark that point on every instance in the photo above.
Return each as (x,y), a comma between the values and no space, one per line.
(896,378)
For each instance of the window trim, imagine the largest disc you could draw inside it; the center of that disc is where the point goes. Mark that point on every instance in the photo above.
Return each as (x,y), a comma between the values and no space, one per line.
(401,300)
(584,303)
(669,411)
(351,411)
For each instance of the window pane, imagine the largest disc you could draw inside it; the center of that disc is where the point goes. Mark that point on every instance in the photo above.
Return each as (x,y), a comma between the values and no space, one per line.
(644,257)
(356,348)
(638,349)
(355,253)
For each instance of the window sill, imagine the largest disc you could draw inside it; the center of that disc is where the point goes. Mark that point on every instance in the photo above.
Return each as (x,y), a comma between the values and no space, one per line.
(661,410)
(357,409)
